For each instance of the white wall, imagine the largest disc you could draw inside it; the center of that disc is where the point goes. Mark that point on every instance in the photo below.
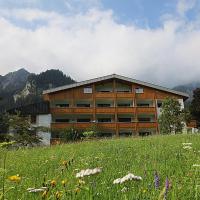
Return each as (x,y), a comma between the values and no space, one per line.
(181,102)
(45,121)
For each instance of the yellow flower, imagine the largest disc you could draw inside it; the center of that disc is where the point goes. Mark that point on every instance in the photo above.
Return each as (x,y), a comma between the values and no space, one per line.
(15,178)
(64,183)
(144,191)
(44,194)
(58,195)
(77,190)
(65,163)
(53,183)
(81,182)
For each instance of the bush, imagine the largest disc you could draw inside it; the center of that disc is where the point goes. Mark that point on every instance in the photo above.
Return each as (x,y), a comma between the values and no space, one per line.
(89,134)
(68,134)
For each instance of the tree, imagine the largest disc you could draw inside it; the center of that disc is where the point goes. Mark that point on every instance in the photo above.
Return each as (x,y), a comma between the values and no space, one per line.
(171,119)
(22,131)
(195,105)
(4,126)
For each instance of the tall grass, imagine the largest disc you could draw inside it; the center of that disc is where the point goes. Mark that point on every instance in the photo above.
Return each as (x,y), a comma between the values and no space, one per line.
(37,167)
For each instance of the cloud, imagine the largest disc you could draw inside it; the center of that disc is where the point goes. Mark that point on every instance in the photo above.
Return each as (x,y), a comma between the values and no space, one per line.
(185,5)
(92,44)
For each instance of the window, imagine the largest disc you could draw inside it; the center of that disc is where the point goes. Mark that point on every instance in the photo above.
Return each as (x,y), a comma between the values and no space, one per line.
(124,119)
(83,105)
(159,104)
(83,120)
(87,90)
(124,105)
(104,120)
(143,105)
(62,105)
(103,105)
(139,90)
(61,120)
(144,119)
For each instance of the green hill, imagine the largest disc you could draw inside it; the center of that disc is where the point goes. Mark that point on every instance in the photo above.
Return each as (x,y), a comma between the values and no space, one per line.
(49,166)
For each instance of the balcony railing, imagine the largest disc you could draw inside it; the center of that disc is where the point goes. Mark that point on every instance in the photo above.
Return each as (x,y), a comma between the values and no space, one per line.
(146,109)
(106,125)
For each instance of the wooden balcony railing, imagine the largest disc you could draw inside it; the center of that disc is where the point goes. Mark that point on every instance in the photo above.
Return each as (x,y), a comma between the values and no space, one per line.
(146,110)
(105,110)
(121,110)
(147,124)
(104,94)
(109,125)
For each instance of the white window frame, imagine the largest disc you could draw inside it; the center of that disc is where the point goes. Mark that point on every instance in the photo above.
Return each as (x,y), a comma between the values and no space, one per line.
(139,90)
(87,90)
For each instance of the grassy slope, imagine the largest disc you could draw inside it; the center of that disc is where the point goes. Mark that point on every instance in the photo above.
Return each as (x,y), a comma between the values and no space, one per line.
(117,157)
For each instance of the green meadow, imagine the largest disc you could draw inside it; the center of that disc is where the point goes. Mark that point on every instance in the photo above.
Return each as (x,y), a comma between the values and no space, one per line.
(55,168)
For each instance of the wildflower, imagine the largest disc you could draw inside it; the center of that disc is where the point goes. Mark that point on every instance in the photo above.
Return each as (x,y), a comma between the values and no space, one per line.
(124,189)
(166,188)
(81,182)
(35,190)
(127,178)
(53,183)
(44,194)
(65,163)
(187,144)
(58,195)
(156,180)
(187,147)
(196,165)
(64,183)
(77,190)
(144,191)
(88,172)
(15,178)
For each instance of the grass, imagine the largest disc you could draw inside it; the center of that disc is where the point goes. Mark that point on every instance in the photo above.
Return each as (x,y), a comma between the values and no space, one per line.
(117,157)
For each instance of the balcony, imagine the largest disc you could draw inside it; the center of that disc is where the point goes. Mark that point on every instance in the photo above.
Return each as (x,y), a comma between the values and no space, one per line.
(61,110)
(125,95)
(125,110)
(103,110)
(80,125)
(104,94)
(110,125)
(82,110)
(147,124)
(122,125)
(146,110)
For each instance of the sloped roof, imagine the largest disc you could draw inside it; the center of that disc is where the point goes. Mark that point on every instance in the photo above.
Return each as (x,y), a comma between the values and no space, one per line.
(65,87)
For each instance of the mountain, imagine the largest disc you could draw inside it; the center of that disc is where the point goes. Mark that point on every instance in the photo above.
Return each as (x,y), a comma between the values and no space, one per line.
(13,81)
(21,87)
(188,88)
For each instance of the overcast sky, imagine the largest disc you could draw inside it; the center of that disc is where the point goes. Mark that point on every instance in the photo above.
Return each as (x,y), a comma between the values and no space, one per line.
(151,40)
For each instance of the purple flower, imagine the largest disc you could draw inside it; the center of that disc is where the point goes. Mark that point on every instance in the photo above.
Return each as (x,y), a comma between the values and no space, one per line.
(166,188)
(156,180)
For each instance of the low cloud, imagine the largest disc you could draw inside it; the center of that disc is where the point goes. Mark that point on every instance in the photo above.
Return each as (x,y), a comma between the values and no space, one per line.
(93,44)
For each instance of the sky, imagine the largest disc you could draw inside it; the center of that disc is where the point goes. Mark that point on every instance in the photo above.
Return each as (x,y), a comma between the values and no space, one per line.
(157,41)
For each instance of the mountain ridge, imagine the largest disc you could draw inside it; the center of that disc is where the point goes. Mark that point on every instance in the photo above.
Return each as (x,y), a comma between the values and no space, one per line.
(22,87)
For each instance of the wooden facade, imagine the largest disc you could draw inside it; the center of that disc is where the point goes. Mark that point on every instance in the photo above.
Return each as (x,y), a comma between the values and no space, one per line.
(113,105)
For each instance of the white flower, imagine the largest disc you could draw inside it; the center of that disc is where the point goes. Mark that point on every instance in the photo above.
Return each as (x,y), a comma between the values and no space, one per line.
(88,172)
(127,178)
(187,147)
(124,189)
(187,143)
(42,189)
(116,181)
(196,165)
